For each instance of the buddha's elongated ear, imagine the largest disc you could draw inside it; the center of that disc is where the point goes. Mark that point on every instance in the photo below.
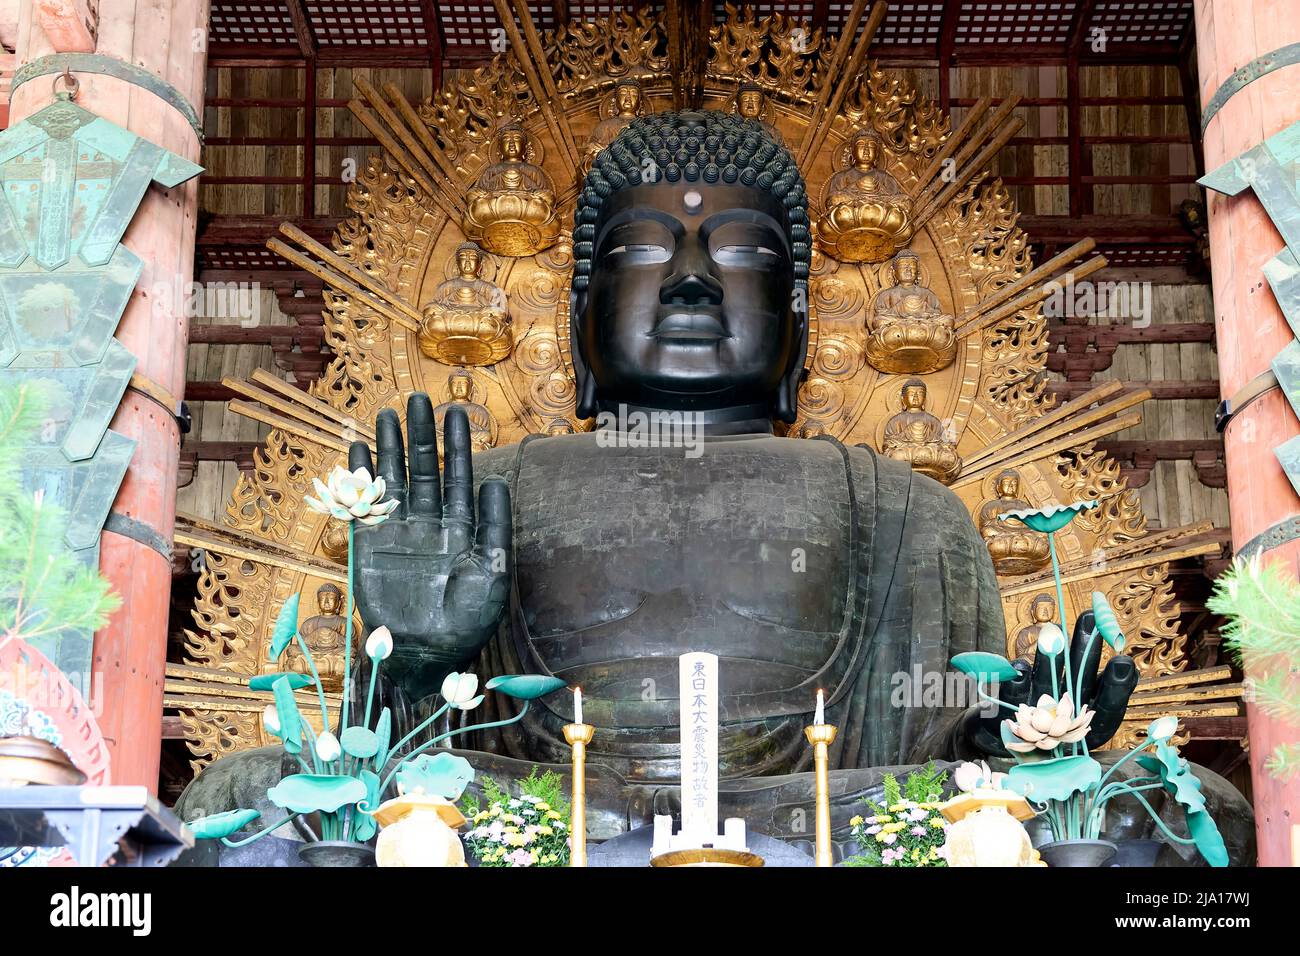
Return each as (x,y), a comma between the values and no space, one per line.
(787,396)
(586,384)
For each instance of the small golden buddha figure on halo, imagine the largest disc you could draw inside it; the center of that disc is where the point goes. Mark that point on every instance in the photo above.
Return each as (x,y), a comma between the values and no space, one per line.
(511,209)
(1042,610)
(868,216)
(751,103)
(907,329)
(467,322)
(323,634)
(628,102)
(915,436)
(1014,548)
(482,426)
(559,426)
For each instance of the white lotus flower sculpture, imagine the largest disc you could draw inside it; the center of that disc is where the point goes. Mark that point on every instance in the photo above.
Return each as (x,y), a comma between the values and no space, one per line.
(351,496)
(1048,725)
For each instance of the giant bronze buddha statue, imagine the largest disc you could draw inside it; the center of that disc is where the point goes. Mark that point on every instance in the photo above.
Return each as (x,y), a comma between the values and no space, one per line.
(803,564)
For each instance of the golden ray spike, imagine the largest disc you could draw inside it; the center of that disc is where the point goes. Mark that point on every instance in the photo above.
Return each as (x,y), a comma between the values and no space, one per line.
(1035,452)
(404,159)
(535,85)
(289,425)
(215,688)
(264,378)
(543,66)
(1029,299)
(1205,675)
(357,276)
(398,99)
(1082,418)
(1155,559)
(414,146)
(977,166)
(1221,692)
(831,71)
(342,284)
(1031,278)
(955,139)
(194,532)
(1126,549)
(1102,392)
(965,149)
(826,121)
(1147,714)
(288,407)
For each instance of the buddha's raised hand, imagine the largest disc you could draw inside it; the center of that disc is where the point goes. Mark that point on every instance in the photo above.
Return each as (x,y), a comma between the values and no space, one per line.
(1106,694)
(434,574)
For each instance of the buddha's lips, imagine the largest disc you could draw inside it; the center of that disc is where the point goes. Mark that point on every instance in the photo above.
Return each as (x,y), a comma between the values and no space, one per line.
(692,326)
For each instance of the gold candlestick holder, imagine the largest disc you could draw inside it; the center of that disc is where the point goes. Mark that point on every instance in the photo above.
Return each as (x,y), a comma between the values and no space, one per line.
(578,736)
(821,736)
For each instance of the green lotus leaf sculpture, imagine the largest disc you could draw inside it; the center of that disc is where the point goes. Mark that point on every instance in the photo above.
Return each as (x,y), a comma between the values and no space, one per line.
(985,665)
(359,742)
(266,681)
(363,824)
(310,792)
(217,825)
(1176,774)
(383,737)
(524,686)
(1051,518)
(286,626)
(1056,779)
(286,710)
(437,775)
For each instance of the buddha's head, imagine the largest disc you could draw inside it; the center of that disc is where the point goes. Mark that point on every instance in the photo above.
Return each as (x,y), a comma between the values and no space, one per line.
(627,97)
(865,150)
(512,141)
(468,259)
(691,256)
(750,100)
(329,599)
(559,426)
(1008,484)
(460,385)
(906,268)
(1043,609)
(913,395)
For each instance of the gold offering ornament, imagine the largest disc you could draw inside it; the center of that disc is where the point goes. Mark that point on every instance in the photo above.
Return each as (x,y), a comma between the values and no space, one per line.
(494,157)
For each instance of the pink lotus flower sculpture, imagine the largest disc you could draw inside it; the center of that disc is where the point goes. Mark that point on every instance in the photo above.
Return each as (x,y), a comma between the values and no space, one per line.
(1048,725)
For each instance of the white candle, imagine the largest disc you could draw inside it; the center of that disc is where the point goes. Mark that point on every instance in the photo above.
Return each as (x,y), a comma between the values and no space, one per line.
(820,717)
(577,705)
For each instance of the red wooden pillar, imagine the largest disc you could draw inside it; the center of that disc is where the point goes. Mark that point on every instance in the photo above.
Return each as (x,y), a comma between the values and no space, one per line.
(1251,329)
(168,38)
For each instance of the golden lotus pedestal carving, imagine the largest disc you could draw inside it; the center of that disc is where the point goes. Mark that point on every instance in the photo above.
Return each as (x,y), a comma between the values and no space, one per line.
(467,323)
(511,210)
(868,217)
(907,330)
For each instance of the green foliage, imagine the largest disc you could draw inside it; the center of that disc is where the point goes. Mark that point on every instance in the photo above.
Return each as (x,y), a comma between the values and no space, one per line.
(529,830)
(1262,605)
(906,830)
(44,590)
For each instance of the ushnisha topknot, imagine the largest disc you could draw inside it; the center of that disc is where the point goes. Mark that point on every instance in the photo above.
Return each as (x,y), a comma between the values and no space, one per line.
(706,146)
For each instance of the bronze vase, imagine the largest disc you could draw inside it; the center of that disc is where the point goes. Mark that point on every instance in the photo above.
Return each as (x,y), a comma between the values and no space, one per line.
(337,853)
(1096,853)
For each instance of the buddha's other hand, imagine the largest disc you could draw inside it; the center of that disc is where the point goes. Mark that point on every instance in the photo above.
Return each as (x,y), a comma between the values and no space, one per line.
(432,574)
(1107,694)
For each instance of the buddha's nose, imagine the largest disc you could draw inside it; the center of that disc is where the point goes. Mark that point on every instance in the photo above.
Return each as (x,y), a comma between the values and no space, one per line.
(692,281)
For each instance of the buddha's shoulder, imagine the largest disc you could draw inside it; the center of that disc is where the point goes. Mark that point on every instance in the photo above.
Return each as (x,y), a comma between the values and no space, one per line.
(927,500)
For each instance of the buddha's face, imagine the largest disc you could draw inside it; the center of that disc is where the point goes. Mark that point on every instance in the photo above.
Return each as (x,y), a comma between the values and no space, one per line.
(865,152)
(513,145)
(750,104)
(467,262)
(690,301)
(906,270)
(1009,486)
(1043,611)
(328,601)
(914,397)
(628,98)
(459,387)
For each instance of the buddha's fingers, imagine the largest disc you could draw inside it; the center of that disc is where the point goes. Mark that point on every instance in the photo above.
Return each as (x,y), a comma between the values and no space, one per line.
(1049,676)
(359,457)
(1113,691)
(1084,668)
(392,459)
(492,538)
(457,479)
(425,498)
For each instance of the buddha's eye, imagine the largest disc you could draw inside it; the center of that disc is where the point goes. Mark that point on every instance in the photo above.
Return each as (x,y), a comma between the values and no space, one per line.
(641,251)
(746,254)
